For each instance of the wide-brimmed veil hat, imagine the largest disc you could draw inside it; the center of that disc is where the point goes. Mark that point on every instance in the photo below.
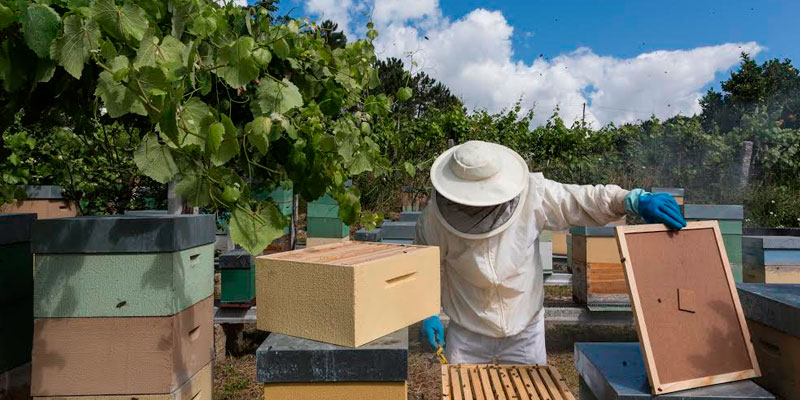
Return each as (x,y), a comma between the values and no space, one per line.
(479,174)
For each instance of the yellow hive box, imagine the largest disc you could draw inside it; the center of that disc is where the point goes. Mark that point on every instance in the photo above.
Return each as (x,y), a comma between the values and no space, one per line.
(336,391)
(317,241)
(198,387)
(503,382)
(595,249)
(347,293)
(44,209)
(560,242)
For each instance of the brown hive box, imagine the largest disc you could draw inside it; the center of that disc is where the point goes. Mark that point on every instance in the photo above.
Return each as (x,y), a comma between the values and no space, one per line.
(120,356)
(496,382)
(347,293)
(199,387)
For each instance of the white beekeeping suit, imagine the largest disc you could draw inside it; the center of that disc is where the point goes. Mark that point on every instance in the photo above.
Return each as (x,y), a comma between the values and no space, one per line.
(485,214)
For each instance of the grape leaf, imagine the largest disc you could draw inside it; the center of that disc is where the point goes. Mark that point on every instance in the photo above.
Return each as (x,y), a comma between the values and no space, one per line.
(72,48)
(118,99)
(168,53)
(259,133)
(281,48)
(40,24)
(127,22)
(214,139)
(155,160)
(278,97)
(6,16)
(255,231)
(190,119)
(194,189)
(404,93)
(239,66)
(229,147)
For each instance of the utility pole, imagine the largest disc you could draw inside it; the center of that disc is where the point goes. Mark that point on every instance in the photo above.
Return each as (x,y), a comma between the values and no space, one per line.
(583,118)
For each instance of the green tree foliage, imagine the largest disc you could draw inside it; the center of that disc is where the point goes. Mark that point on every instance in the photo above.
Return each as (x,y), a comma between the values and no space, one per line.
(426,94)
(334,37)
(222,96)
(774,85)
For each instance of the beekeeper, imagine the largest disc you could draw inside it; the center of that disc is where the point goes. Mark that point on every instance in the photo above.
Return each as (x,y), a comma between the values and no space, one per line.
(486,213)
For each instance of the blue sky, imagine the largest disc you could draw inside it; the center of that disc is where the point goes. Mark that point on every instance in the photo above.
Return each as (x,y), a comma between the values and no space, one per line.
(638,57)
(628,28)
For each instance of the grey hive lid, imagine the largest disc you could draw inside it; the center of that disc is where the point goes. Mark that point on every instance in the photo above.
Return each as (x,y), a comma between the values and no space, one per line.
(44,192)
(713,211)
(15,228)
(771,242)
(236,259)
(774,305)
(122,234)
(283,358)
(139,213)
(592,230)
(771,231)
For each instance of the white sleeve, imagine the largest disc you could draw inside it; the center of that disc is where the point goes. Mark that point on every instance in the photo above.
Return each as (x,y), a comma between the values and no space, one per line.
(581,205)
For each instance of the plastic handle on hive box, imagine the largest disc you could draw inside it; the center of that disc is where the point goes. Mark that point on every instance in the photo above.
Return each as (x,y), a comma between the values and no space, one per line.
(400,279)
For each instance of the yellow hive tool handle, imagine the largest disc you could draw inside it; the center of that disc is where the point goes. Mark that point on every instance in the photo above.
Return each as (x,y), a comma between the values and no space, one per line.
(440,353)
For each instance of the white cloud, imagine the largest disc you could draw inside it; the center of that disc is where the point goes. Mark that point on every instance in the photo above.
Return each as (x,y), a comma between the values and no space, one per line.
(474,56)
(338,11)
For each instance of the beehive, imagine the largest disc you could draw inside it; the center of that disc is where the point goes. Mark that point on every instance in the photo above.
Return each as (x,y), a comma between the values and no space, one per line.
(123,305)
(238,278)
(45,201)
(559,240)
(597,275)
(772,312)
(323,219)
(771,259)
(347,293)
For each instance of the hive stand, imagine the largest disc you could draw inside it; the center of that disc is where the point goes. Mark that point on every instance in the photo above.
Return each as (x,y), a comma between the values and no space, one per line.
(616,371)
(300,369)
(348,293)
(773,316)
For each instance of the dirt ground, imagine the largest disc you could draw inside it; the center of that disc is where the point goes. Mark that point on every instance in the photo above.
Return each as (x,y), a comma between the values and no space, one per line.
(234,378)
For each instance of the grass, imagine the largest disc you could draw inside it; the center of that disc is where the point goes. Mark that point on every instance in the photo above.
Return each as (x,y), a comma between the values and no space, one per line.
(234,377)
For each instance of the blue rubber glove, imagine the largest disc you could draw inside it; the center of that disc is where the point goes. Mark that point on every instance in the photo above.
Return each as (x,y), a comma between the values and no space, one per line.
(655,208)
(432,331)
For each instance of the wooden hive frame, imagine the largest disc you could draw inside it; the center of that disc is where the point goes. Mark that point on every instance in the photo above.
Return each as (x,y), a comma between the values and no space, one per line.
(657,384)
(503,382)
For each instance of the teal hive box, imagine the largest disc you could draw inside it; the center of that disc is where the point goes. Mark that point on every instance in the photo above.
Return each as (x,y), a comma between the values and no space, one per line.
(238,274)
(327,228)
(122,266)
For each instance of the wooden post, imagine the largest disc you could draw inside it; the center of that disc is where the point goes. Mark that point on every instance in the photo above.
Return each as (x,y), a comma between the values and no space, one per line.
(747,156)
(174,201)
(295,218)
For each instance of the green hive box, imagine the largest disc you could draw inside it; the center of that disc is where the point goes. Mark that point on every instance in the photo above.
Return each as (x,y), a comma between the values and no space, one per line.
(122,266)
(327,228)
(16,290)
(729,218)
(237,269)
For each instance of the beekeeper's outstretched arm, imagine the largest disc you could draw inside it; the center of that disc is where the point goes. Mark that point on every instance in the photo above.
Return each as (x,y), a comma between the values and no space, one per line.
(566,205)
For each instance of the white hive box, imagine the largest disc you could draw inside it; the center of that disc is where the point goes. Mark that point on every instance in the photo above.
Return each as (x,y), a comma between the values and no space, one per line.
(347,293)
